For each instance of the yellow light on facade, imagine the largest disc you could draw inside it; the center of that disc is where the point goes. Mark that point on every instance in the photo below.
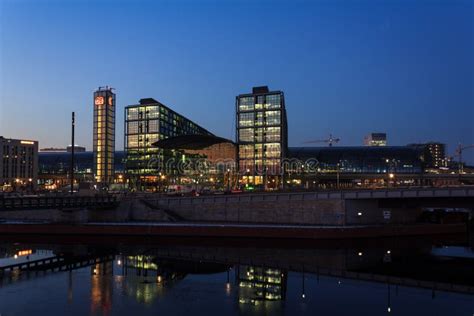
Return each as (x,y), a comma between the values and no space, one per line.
(24,253)
(391,175)
(27,142)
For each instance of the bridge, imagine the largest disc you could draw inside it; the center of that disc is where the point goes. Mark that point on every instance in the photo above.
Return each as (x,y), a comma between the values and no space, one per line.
(341,207)
(389,193)
(53,264)
(58,202)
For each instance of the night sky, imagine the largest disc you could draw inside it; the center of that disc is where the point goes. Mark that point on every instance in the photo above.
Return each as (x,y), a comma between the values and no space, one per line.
(347,67)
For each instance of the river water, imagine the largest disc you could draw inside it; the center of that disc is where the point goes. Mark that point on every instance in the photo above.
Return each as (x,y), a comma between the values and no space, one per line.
(429,276)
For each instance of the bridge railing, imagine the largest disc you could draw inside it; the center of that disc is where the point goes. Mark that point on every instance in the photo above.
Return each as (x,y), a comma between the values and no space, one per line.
(59,202)
(321,195)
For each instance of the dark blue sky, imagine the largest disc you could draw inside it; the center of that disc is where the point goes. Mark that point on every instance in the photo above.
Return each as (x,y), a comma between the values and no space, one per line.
(346,67)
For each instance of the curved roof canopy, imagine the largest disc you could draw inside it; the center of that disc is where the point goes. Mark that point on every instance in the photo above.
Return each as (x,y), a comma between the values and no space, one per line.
(190,142)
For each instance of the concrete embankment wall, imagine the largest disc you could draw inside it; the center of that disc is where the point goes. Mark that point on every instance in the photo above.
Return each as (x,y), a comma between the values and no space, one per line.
(367,211)
(48,215)
(257,209)
(309,209)
(128,210)
(286,209)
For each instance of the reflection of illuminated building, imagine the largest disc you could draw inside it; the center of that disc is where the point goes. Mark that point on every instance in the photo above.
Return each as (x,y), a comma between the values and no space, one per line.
(257,284)
(140,263)
(22,253)
(102,287)
(145,278)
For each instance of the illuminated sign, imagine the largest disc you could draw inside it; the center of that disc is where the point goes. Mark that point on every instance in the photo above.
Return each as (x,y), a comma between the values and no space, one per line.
(99,101)
(111,101)
(27,142)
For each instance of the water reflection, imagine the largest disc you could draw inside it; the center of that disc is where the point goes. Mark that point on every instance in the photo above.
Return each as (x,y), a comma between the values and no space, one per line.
(102,283)
(259,284)
(146,279)
(239,279)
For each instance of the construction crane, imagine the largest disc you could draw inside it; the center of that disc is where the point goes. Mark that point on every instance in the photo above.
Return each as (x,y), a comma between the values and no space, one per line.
(331,140)
(459,151)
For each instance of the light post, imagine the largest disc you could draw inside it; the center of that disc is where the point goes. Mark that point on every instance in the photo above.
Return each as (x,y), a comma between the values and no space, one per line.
(30,182)
(391,168)
(248,176)
(228,179)
(73,125)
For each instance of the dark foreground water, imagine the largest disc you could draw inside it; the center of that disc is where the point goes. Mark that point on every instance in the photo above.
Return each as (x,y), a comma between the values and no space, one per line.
(230,277)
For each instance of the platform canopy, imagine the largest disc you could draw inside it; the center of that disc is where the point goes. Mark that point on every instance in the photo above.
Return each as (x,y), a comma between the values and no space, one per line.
(192,142)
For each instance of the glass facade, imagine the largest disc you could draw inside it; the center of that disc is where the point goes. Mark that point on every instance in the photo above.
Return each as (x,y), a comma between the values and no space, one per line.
(359,160)
(261,136)
(145,124)
(104,135)
(60,162)
(434,154)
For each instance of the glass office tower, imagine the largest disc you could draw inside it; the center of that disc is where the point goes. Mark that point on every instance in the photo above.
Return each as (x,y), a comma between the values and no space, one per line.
(146,123)
(104,135)
(262,137)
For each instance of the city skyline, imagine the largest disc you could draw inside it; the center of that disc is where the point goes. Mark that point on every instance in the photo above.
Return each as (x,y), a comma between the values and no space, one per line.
(401,70)
(236,157)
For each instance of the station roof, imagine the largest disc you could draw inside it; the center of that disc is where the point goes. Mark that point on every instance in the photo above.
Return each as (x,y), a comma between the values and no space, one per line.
(360,153)
(190,142)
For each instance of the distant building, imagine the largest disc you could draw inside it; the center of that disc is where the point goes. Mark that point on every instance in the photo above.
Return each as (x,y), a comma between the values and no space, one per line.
(365,166)
(261,136)
(53,150)
(54,167)
(145,124)
(434,154)
(104,135)
(362,159)
(77,149)
(375,139)
(18,164)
